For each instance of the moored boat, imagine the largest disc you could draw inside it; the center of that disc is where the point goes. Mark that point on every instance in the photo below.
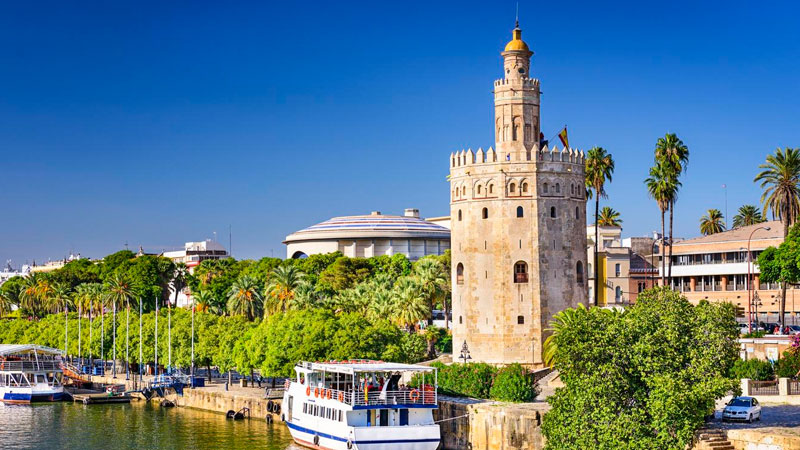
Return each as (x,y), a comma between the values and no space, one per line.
(30,373)
(364,405)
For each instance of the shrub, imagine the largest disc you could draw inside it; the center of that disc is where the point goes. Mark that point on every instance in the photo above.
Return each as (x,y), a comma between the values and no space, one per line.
(788,366)
(445,343)
(755,334)
(514,383)
(463,380)
(754,369)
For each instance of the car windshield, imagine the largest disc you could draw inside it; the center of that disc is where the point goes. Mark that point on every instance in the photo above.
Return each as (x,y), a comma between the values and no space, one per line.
(739,402)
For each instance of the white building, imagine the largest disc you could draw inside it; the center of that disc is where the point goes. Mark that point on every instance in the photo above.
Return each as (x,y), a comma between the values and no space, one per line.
(371,235)
(9,272)
(193,253)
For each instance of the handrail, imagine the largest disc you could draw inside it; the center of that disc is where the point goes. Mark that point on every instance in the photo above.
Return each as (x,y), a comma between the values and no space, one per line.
(35,366)
(374,397)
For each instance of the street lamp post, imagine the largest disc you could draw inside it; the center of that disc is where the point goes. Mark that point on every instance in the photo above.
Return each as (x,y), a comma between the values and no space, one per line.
(756,304)
(749,280)
(465,353)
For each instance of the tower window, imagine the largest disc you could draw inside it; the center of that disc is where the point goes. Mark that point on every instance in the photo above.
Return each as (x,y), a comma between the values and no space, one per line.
(460,320)
(460,273)
(572,189)
(558,188)
(512,188)
(520,272)
(485,213)
(544,188)
(524,188)
(553,212)
(479,188)
(491,188)
(463,190)
(579,272)
(520,320)
(459,215)
(520,211)
(577,213)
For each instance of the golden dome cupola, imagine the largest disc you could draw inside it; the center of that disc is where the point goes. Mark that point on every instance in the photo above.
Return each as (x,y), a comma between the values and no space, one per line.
(516,44)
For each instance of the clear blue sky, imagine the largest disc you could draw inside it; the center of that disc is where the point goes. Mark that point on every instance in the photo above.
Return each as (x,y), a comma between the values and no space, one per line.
(157,123)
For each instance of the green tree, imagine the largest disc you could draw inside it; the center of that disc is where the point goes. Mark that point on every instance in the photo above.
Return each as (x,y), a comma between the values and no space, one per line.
(662,186)
(599,169)
(281,286)
(609,218)
(245,298)
(780,179)
(747,215)
(410,303)
(433,280)
(641,379)
(712,223)
(674,154)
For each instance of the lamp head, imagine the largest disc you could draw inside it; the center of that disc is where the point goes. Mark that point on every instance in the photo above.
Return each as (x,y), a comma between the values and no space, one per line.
(767,228)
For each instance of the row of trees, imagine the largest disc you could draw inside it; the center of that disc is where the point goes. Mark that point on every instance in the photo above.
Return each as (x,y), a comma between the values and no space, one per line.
(271,346)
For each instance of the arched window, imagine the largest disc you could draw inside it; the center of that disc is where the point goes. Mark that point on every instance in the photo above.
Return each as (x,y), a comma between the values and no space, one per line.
(558,188)
(579,272)
(485,213)
(479,188)
(544,188)
(460,320)
(459,215)
(460,273)
(520,212)
(463,190)
(520,272)
(577,213)
(553,212)
(491,188)
(572,189)
(524,188)
(512,188)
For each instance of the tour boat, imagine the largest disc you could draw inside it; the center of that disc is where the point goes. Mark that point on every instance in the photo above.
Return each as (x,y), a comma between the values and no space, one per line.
(30,373)
(362,404)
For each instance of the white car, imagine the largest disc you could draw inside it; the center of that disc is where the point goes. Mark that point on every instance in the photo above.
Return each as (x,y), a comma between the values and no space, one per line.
(742,408)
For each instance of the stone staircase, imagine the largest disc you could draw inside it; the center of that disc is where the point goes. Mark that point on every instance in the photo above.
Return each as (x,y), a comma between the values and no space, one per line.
(712,440)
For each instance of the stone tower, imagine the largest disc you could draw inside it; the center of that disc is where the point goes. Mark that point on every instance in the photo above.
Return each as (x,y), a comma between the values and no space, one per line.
(518,219)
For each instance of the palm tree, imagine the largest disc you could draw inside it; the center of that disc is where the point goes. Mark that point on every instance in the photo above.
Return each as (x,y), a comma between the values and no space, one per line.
(563,320)
(204,301)
(672,152)
(382,305)
(662,187)
(305,296)
(60,299)
(434,282)
(599,168)
(779,180)
(35,292)
(712,223)
(120,291)
(90,294)
(609,218)
(245,298)
(747,215)
(7,300)
(410,303)
(281,286)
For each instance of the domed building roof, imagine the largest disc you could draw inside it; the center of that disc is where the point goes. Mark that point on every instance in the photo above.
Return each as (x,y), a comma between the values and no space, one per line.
(373,225)
(516,43)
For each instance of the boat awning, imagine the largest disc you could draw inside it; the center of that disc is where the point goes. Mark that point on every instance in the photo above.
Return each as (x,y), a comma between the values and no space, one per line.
(19,349)
(363,367)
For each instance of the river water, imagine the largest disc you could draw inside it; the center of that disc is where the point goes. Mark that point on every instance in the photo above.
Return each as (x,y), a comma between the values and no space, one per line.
(138,425)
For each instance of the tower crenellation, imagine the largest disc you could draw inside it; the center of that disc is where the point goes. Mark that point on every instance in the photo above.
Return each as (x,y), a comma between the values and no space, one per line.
(518,214)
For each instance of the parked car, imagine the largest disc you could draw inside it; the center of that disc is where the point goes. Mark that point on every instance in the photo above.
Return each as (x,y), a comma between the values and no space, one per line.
(742,408)
(769,326)
(793,329)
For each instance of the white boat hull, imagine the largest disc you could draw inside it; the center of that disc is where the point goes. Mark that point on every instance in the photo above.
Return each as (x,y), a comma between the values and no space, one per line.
(415,437)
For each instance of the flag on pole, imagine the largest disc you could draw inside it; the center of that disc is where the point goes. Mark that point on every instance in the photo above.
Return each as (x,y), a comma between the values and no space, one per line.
(563,136)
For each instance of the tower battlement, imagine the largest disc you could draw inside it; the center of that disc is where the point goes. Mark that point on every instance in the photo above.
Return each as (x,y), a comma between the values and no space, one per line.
(524,82)
(534,154)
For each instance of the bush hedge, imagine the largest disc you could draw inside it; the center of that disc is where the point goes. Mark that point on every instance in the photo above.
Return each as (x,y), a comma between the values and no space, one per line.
(513,383)
(788,366)
(754,369)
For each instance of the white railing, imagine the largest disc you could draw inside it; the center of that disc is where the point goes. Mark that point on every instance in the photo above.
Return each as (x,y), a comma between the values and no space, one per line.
(428,396)
(30,366)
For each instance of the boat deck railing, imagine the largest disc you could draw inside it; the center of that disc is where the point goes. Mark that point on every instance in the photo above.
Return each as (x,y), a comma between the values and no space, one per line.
(427,396)
(30,366)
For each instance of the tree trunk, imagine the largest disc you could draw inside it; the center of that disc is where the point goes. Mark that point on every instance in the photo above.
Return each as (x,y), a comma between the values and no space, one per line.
(596,256)
(783,283)
(663,257)
(669,273)
(208,367)
(446,312)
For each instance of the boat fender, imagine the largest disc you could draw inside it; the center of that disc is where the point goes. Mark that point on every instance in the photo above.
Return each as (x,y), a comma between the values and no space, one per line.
(349,444)
(316,440)
(341,397)
(269,406)
(269,418)
(231,414)
(308,391)
(277,408)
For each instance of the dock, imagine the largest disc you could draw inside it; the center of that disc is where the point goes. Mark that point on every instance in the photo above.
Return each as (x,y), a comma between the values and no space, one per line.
(102,397)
